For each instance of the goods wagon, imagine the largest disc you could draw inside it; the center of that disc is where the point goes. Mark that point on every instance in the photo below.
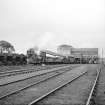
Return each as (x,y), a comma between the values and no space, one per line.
(12,59)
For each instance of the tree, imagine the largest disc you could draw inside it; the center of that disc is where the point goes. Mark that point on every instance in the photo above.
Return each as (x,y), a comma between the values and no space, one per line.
(6,47)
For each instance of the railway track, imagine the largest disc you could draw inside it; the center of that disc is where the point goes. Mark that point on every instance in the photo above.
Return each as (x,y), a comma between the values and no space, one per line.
(22,71)
(100,90)
(49,93)
(13,79)
(52,85)
(41,78)
(13,68)
(91,98)
(37,79)
(16,72)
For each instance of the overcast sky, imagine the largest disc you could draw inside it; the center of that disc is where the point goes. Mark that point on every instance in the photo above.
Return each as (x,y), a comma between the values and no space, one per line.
(49,23)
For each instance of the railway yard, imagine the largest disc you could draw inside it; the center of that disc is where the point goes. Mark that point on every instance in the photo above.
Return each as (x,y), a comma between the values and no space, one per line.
(52,52)
(65,84)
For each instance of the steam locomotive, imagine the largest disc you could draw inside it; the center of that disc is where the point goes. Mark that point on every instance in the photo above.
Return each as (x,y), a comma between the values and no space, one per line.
(34,58)
(41,58)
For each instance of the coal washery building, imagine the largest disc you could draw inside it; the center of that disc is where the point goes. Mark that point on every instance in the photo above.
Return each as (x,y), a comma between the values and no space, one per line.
(81,54)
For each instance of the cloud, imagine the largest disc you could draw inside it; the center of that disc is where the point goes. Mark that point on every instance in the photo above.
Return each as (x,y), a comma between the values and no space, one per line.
(49,23)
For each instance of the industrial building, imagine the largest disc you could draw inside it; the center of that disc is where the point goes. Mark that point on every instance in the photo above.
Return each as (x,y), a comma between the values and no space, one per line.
(86,53)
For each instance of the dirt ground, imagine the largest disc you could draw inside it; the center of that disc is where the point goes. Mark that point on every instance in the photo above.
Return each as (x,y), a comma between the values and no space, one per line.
(75,93)
(34,92)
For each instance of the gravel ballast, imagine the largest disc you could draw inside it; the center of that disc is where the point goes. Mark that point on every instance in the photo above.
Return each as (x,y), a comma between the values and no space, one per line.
(100,93)
(75,93)
(28,95)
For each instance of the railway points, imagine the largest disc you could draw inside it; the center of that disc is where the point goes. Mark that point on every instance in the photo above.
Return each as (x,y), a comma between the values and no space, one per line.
(6,72)
(20,77)
(21,85)
(44,88)
(11,88)
(75,93)
(72,87)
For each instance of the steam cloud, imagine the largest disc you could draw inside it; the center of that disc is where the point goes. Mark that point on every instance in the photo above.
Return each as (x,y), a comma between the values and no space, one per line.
(43,41)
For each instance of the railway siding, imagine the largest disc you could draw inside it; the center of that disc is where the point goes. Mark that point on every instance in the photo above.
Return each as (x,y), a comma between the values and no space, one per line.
(75,93)
(21,85)
(12,68)
(100,93)
(15,78)
(27,70)
(34,92)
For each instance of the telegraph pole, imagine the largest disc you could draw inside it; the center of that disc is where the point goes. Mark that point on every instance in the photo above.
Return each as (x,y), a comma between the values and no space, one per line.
(102,56)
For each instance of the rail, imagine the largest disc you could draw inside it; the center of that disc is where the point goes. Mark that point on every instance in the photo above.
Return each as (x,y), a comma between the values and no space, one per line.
(30,85)
(89,101)
(45,95)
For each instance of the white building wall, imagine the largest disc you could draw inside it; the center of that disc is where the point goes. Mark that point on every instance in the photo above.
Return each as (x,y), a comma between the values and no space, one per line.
(70,51)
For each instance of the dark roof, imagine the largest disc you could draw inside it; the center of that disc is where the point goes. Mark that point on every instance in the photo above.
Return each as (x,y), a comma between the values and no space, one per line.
(64,45)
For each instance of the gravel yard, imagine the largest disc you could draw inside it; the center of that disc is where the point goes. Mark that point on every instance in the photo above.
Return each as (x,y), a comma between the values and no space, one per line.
(6,89)
(26,96)
(23,70)
(75,93)
(9,79)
